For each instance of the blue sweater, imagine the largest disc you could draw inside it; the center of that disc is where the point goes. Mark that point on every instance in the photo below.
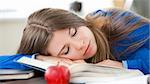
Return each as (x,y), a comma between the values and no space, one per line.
(137,59)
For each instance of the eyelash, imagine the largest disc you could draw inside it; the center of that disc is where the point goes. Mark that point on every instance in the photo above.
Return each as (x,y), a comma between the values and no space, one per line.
(67,51)
(68,46)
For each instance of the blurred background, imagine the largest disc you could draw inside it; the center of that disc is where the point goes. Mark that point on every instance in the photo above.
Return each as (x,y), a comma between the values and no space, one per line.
(14,13)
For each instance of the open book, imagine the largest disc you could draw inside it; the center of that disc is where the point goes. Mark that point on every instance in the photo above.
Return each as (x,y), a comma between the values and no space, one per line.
(86,73)
(11,74)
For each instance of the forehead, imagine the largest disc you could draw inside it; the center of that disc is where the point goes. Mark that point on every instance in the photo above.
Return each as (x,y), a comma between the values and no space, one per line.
(57,41)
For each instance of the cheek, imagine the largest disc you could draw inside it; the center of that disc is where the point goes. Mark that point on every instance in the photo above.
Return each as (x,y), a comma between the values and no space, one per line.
(52,50)
(84,34)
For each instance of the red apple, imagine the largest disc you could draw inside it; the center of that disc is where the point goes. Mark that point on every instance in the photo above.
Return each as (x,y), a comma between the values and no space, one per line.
(57,75)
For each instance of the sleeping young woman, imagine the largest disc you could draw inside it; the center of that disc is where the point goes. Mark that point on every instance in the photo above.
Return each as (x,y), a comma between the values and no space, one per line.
(114,37)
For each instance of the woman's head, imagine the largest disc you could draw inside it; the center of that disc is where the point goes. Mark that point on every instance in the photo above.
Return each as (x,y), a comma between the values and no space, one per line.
(61,33)
(48,30)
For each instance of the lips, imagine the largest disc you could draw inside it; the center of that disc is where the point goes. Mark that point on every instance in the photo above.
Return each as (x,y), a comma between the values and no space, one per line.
(87,48)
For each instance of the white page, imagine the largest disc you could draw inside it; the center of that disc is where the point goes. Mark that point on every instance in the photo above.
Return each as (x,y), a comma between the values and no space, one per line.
(34,63)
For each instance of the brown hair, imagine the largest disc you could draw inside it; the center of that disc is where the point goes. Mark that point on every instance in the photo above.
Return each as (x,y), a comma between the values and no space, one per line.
(113,28)
(42,23)
(40,26)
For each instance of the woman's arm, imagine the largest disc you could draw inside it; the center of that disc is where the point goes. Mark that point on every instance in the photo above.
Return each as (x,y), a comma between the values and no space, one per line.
(140,60)
(8,62)
(56,60)
(111,63)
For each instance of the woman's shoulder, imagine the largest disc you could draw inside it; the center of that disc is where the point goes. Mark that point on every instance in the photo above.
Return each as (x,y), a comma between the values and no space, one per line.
(140,33)
(112,10)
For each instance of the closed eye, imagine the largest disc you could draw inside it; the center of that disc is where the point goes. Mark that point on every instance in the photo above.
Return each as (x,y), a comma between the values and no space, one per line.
(72,32)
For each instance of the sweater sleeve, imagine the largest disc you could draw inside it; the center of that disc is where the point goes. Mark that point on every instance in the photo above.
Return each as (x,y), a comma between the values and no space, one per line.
(140,60)
(8,62)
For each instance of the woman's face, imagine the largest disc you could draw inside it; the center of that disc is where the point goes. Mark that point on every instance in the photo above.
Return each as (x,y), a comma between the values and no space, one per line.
(74,44)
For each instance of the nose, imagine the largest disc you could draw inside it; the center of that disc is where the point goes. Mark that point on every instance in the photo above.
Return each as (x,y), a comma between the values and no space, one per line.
(78,44)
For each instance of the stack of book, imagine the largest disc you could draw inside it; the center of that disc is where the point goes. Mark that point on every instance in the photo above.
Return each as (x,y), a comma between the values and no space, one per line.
(11,74)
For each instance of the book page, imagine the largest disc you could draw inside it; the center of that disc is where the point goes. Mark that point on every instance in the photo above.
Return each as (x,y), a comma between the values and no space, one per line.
(131,80)
(83,73)
(34,63)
